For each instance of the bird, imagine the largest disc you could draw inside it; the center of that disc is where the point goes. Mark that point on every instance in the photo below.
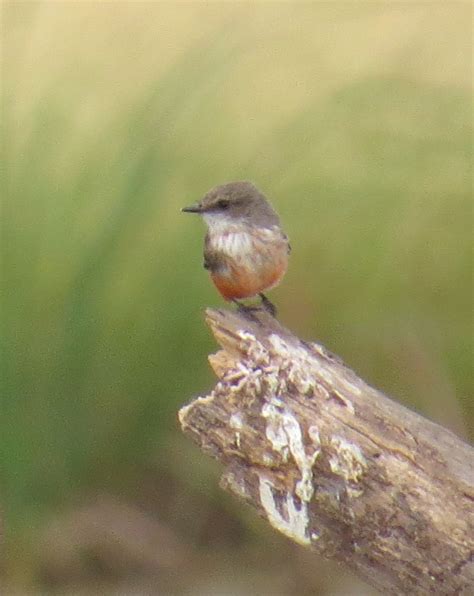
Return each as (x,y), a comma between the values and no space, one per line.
(245,249)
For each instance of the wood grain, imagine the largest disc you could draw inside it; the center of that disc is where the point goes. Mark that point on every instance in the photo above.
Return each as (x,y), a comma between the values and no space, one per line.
(333,463)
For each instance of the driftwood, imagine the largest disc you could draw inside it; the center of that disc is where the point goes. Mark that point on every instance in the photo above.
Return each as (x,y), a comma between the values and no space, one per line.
(334,464)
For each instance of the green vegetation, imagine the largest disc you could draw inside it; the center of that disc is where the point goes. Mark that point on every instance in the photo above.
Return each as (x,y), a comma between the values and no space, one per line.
(355,121)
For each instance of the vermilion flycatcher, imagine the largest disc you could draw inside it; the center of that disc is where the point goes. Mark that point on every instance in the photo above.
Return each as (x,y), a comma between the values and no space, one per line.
(245,249)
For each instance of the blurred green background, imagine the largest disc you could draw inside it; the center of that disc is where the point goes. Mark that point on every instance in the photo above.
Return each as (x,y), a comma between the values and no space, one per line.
(354,118)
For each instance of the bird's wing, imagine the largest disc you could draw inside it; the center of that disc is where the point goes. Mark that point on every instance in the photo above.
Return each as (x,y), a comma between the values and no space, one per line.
(213,259)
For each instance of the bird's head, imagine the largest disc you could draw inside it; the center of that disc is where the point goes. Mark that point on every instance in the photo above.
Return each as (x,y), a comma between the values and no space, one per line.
(235,202)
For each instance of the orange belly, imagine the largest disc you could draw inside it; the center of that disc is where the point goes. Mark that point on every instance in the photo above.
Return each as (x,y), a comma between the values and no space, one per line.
(244,282)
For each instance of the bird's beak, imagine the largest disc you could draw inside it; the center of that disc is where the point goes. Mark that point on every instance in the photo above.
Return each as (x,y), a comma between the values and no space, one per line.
(196,208)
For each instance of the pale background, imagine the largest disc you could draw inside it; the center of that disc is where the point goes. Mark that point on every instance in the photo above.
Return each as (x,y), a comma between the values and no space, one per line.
(354,118)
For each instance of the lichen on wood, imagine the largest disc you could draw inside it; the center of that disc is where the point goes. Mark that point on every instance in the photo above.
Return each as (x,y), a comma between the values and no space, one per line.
(334,464)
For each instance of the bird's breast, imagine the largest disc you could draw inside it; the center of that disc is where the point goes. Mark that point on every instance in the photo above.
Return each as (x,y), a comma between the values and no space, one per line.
(233,243)
(246,262)
(239,242)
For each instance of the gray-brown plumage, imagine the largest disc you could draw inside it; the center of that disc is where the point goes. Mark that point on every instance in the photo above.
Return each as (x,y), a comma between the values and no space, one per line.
(245,249)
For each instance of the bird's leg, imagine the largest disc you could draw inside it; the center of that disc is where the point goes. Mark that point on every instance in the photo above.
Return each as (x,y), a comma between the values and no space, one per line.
(268,306)
(240,307)
(244,309)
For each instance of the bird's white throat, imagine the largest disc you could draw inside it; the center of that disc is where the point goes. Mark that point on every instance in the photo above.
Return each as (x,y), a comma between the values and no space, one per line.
(228,235)
(218,222)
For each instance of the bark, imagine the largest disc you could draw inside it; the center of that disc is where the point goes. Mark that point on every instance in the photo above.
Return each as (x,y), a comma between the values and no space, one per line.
(334,464)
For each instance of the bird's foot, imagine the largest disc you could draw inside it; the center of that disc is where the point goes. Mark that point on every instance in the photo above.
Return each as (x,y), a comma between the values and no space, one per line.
(268,306)
(249,311)
(246,310)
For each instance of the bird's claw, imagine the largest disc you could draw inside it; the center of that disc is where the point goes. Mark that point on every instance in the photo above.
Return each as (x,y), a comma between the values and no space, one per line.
(268,306)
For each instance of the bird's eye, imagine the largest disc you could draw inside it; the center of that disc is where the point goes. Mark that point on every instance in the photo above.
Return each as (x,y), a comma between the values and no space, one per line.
(223,203)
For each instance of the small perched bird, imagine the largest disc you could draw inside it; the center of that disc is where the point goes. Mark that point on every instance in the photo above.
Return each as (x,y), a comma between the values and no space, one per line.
(245,249)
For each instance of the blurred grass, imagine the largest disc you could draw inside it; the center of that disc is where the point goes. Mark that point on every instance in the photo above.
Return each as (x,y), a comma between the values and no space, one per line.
(355,120)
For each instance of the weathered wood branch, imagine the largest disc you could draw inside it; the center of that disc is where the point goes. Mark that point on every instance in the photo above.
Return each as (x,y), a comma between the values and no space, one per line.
(334,464)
